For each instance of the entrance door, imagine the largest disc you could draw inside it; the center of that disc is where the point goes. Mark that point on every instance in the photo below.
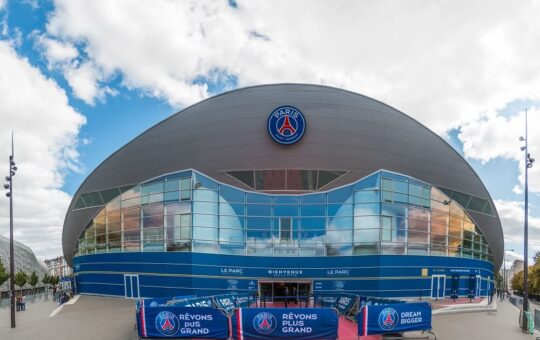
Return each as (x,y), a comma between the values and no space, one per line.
(438,286)
(275,291)
(131,286)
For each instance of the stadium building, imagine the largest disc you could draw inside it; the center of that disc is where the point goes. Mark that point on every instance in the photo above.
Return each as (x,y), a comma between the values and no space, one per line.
(286,185)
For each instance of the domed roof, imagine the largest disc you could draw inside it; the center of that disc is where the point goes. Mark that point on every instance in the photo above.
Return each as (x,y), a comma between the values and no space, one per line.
(345,131)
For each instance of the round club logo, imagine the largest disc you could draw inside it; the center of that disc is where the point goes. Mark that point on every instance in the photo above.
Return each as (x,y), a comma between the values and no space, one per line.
(167,323)
(264,323)
(388,318)
(286,125)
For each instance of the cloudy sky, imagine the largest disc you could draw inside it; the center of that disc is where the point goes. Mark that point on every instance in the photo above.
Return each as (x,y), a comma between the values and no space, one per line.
(78,79)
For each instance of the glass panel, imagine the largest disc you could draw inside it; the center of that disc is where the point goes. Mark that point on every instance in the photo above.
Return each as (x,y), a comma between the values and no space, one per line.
(147,189)
(205,195)
(325,177)
(312,236)
(436,205)
(285,199)
(366,235)
(340,210)
(228,194)
(402,187)
(232,248)
(343,195)
(200,220)
(245,177)
(313,199)
(338,249)
(313,223)
(285,229)
(206,234)
(387,184)
(231,209)
(437,217)
(177,208)
(92,199)
(270,180)
(367,209)
(231,235)
(456,209)
(80,203)
(285,210)
(313,210)
(487,209)
(476,204)
(203,182)
(461,198)
(258,198)
(301,179)
(231,222)
(366,248)
(259,223)
(205,207)
(110,194)
(367,196)
(419,214)
(417,249)
(392,248)
(340,223)
(205,247)
(370,182)
(366,222)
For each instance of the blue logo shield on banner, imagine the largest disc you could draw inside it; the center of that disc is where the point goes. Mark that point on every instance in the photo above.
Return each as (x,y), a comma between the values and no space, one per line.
(285,323)
(401,317)
(181,322)
(286,125)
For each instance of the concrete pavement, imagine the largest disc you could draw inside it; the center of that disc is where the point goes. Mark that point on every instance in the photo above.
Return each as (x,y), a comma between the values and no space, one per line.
(91,318)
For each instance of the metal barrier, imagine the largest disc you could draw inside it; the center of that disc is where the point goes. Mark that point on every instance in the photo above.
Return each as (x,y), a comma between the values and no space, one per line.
(537,319)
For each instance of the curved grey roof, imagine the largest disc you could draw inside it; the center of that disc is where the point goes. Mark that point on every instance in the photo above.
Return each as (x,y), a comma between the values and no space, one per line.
(345,131)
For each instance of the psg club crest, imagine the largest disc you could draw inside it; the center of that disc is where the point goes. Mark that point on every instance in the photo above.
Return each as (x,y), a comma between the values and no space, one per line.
(388,318)
(167,323)
(264,323)
(286,125)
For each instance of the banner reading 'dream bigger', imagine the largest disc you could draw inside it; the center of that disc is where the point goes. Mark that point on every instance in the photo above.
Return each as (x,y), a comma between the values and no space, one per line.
(284,323)
(391,318)
(182,323)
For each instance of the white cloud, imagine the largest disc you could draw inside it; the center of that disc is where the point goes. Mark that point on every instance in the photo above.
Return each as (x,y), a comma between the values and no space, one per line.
(56,51)
(46,130)
(497,136)
(512,218)
(439,63)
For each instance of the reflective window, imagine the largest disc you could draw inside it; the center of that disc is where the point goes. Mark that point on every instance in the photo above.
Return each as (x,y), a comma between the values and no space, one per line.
(385,213)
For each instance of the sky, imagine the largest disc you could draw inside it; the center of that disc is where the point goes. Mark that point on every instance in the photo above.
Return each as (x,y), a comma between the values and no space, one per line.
(79,79)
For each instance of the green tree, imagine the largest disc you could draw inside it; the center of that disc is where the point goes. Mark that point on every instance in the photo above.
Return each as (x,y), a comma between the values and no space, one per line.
(536,257)
(499,280)
(21,278)
(4,275)
(517,282)
(33,280)
(54,280)
(46,279)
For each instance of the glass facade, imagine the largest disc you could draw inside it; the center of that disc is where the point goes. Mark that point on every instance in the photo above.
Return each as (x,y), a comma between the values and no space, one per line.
(384,213)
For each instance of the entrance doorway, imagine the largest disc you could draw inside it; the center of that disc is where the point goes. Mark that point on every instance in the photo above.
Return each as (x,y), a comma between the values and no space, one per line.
(438,286)
(275,291)
(131,286)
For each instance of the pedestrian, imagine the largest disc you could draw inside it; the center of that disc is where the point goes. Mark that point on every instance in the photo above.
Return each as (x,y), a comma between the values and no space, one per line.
(295,296)
(23,302)
(18,302)
(490,297)
(286,291)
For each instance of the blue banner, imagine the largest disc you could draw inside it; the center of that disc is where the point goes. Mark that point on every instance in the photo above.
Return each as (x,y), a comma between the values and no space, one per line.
(179,301)
(244,300)
(392,318)
(345,302)
(285,323)
(182,323)
(225,302)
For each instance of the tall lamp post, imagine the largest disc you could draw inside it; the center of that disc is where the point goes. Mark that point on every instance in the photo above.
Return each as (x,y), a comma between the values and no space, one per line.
(9,179)
(528,164)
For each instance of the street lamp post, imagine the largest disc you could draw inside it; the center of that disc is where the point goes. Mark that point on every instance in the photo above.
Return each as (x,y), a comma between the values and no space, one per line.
(9,179)
(528,164)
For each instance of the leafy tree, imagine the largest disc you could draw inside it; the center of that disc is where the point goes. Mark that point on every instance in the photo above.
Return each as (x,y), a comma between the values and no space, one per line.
(517,282)
(21,278)
(54,280)
(46,279)
(4,275)
(499,281)
(536,257)
(33,280)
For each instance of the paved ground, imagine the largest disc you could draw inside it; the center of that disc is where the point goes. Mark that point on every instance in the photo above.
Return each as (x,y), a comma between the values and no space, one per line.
(113,319)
